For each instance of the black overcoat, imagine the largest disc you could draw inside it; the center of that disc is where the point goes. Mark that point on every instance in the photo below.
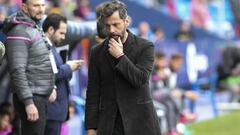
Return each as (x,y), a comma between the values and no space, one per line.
(121,85)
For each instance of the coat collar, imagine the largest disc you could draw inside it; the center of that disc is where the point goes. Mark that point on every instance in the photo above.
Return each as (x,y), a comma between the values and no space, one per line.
(129,44)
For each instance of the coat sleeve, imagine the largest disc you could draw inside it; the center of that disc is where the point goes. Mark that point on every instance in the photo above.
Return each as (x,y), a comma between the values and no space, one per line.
(64,72)
(93,94)
(137,74)
(17,46)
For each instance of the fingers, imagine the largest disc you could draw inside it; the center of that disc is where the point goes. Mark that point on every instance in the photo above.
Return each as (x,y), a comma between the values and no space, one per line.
(53,96)
(115,48)
(75,64)
(112,43)
(119,40)
(32,113)
(110,49)
(79,62)
(116,43)
(111,46)
(33,116)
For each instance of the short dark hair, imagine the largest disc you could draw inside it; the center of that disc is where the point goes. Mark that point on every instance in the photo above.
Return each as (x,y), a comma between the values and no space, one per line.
(24,1)
(157,29)
(54,21)
(101,30)
(176,56)
(110,7)
(98,9)
(159,55)
(6,109)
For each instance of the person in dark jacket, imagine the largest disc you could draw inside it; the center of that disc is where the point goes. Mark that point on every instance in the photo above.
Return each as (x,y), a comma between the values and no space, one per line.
(28,57)
(55,28)
(118,97)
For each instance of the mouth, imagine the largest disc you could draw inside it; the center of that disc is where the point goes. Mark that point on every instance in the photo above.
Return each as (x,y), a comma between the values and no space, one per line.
(115,36)
(40,13)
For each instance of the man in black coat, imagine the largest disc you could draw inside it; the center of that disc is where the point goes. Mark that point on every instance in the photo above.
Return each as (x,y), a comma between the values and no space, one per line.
(118,97)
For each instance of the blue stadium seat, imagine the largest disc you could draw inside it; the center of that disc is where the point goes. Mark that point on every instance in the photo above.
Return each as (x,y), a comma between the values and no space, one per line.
(206,88)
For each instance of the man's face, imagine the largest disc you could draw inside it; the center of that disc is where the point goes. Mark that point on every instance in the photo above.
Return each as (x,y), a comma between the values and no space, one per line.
(161,62)
(176,64)
(35,9)
(115,26)
(59,35)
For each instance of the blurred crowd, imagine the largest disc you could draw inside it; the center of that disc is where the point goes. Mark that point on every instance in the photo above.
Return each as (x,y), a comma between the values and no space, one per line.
(216,16)
(78,10)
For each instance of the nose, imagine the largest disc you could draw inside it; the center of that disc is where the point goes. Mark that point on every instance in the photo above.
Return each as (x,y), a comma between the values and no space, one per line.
(42,8)
(63,37)
(111,29)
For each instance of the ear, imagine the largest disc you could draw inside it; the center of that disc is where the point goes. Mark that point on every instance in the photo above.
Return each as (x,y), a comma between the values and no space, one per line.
(24,7)
(50,30)
(127,21)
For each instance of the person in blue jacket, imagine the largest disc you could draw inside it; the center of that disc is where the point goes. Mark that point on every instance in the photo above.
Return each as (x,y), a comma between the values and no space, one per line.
(55,28)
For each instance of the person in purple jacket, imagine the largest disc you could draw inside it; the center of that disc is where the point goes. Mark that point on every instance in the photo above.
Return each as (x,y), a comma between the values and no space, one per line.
(29,66)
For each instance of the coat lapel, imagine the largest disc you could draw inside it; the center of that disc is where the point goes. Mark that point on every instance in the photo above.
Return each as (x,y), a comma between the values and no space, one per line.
(58,58)
(128,45)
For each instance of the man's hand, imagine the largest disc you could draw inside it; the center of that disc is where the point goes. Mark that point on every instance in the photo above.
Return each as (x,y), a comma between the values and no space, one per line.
(115,48)
(53,96)
(91,132)
(75,64)
(32,112)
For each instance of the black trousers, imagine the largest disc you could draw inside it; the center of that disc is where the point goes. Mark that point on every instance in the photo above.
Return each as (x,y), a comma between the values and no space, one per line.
(53,127)
(28,127)
(118,126)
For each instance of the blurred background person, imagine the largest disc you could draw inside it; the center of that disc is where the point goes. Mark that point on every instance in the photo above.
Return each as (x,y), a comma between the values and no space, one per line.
(83,11)
(101,28)
(158,35)
(6,116)
(162,93)
(228,71)
(199,13)
(184,32)
(179,94)
(144,30)
(5,123)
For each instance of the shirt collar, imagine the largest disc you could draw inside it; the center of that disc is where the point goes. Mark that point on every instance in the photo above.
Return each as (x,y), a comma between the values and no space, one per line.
(49,41)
